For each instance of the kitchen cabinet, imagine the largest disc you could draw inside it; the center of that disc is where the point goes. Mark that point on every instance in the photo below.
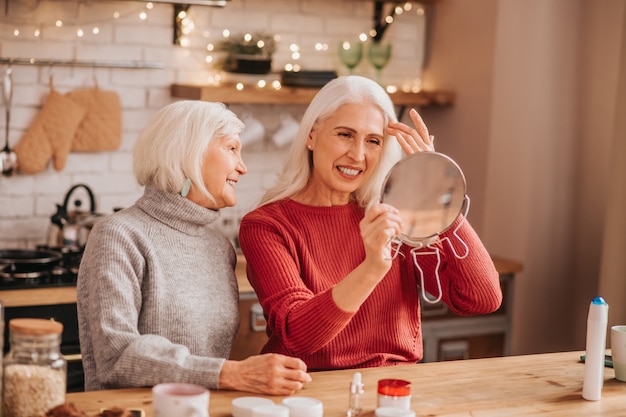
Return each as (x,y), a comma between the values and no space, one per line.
(447,336)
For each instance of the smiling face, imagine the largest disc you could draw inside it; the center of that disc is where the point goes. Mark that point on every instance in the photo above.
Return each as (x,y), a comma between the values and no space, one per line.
(222,166)
(346,148)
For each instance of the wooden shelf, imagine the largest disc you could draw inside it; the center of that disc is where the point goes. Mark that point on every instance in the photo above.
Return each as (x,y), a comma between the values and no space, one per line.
(291,95)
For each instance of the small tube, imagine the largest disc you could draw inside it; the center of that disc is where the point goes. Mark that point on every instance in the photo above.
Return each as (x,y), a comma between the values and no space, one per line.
(356,394)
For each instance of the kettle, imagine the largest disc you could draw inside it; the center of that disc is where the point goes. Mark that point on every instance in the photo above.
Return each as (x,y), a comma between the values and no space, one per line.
(71,228)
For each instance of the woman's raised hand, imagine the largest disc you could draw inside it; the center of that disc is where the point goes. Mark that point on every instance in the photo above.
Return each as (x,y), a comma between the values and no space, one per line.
(412,140)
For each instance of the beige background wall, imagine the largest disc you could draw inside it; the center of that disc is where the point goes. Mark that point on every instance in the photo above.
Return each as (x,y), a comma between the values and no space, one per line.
(533,127)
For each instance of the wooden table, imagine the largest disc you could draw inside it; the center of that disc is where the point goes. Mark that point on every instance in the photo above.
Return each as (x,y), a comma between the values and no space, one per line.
(544,384)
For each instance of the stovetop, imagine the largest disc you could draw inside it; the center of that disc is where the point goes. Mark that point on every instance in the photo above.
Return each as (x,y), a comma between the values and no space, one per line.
(61,274)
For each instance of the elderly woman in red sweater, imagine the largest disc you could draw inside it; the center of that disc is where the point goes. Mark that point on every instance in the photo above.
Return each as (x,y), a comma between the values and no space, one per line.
(318,247)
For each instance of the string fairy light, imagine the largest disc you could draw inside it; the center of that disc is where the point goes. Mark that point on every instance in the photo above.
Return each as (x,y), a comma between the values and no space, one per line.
(25,19)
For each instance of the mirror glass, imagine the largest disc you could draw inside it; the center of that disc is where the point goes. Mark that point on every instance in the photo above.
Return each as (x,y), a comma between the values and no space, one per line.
(429,190)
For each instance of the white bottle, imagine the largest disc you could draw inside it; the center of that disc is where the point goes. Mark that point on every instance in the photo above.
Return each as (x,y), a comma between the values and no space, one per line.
(596,342)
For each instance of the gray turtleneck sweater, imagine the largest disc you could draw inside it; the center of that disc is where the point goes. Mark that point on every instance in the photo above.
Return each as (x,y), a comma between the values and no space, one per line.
(157,296)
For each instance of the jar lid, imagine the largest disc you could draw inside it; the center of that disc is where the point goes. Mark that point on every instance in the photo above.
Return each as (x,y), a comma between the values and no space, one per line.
(394,387)
(35,326)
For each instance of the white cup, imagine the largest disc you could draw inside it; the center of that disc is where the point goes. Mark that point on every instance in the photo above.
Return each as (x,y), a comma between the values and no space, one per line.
(180,400)
(243,406)
(618,351)
(286,131)
(273,410)
(254,130)
(304,407)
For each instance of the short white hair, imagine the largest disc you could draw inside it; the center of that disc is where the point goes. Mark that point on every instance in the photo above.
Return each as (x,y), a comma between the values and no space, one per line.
(171,147)
(337,92)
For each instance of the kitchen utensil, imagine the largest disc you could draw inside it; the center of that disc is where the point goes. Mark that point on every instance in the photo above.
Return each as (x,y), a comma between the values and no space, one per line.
(8,158)
(71,227)
(22,260)
(350,54)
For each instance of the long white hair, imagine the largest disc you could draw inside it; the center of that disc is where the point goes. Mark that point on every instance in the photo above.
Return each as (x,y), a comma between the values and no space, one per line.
(299,167)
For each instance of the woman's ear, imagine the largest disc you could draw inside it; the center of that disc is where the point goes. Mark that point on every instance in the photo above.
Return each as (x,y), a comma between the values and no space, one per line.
(310,140)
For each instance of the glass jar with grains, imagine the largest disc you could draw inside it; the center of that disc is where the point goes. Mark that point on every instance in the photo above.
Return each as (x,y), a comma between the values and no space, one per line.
(34,370)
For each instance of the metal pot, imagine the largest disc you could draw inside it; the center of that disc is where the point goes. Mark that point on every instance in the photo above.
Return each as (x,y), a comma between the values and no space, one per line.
(72,227)
(22,260)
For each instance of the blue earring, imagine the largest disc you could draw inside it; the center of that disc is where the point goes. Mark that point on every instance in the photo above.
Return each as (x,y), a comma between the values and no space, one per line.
(186,187)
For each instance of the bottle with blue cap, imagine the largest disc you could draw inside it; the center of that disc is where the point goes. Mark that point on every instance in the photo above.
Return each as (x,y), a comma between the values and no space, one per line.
(596,343)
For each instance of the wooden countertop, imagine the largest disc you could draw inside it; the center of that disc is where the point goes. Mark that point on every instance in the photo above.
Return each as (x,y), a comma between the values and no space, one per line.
(67,295)
(544,384)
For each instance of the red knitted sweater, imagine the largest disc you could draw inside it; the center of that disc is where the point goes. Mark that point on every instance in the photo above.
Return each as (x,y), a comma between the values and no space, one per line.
(297,253)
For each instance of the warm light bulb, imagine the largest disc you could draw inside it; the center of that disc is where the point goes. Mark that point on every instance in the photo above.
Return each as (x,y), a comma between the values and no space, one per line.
(95,30)
(239,86)
(260,44)
(80,33)
(363,36)
(295,55)
(149,5)
(226,33)
(389,19)
(261,83)
(58,23)
(247,37)
(208,59)
(210,47)
(143,16)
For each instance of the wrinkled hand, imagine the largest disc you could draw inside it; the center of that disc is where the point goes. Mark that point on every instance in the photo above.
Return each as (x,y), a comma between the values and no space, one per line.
(380,223)
(270,374)
(412,140)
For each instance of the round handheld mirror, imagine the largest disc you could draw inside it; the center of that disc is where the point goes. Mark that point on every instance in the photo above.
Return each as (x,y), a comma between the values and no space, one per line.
(429,190)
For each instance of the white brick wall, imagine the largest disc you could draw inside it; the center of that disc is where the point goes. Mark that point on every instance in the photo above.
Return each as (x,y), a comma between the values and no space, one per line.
(28,201)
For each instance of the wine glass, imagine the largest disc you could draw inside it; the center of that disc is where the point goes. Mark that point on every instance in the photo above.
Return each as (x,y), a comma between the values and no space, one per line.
(350,54)
(379,54)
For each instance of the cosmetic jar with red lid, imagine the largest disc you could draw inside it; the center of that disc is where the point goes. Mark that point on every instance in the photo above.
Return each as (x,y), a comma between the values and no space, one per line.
(394,393)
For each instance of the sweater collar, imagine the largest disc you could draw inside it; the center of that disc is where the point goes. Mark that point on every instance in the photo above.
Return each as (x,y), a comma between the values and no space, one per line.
(176,211)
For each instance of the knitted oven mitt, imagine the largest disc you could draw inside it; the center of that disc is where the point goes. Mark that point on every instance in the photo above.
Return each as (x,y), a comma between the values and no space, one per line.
(50,134)
(101,128)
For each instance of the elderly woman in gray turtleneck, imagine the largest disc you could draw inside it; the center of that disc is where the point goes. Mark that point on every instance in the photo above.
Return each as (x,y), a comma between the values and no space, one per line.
(157,293)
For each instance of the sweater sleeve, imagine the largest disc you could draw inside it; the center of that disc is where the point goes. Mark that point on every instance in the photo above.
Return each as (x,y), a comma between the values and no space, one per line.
(304,318)
(470,283)
(110,302)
